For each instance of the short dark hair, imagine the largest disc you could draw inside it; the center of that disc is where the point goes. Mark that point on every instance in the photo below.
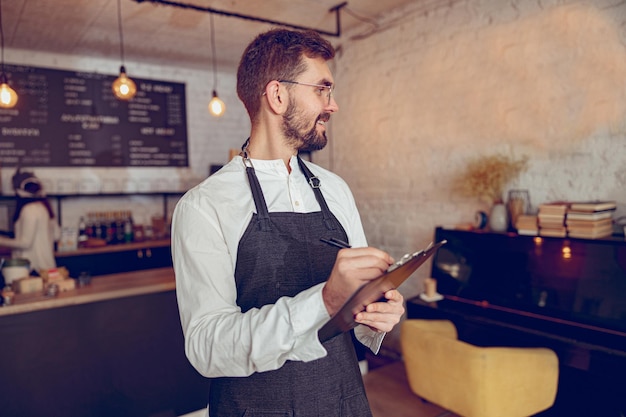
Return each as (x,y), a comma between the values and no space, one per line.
(276,55)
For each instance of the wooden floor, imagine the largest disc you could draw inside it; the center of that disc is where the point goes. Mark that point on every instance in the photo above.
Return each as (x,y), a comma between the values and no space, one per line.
(389,394)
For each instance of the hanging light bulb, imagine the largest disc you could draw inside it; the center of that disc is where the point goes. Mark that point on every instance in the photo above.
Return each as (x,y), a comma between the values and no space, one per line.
(216,105)
(8,96)
(123,87)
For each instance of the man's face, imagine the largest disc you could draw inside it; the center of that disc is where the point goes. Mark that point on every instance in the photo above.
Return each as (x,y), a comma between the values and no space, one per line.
(304,122)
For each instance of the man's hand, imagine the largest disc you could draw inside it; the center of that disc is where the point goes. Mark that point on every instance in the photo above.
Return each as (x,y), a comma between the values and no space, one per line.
(382,316)
(353,268)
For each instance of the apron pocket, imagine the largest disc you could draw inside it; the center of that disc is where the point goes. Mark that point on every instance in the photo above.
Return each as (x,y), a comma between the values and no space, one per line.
(355,406)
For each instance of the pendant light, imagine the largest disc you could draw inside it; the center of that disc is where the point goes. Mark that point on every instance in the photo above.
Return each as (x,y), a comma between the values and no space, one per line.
(123,87)
(216,105)
(8,96)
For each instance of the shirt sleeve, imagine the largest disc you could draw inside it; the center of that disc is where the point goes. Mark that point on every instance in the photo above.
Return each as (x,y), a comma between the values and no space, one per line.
(220,340)
(27,231)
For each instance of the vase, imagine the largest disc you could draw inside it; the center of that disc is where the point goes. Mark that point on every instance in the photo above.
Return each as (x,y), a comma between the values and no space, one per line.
(517,204)
(498,218)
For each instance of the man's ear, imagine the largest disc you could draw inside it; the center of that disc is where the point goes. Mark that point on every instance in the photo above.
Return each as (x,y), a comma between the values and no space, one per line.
(275,96)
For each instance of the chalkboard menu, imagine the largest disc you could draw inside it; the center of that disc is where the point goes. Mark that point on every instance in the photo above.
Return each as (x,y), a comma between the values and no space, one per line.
(72,119)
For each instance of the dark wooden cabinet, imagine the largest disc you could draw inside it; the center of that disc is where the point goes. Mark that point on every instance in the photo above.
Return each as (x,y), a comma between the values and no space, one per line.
(564,294)
(119,357)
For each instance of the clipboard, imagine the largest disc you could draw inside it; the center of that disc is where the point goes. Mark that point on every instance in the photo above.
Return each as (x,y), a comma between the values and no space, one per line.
(374,290)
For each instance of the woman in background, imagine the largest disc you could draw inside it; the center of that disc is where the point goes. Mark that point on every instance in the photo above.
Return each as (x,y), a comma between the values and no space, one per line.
(36,230)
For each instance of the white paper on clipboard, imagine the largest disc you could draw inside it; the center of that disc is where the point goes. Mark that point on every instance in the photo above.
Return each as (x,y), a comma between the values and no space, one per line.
(374,290)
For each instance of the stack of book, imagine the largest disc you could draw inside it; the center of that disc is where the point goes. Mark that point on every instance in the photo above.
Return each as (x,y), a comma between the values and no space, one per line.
(590,219)
(526,224)
(551,218)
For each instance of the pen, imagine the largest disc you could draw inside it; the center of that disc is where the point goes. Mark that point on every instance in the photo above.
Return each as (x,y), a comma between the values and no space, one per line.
(336,242)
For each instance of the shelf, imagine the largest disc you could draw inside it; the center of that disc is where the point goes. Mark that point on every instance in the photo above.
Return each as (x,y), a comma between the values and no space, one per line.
(164,195)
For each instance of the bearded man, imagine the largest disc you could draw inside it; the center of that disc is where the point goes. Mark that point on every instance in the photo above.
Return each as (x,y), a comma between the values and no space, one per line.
(255,276)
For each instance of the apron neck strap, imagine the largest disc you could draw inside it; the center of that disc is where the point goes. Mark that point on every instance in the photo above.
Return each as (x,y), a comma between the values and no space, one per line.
(315,184)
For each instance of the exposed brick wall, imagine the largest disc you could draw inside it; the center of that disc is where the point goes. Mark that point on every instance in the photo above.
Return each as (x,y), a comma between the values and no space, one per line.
(434,88)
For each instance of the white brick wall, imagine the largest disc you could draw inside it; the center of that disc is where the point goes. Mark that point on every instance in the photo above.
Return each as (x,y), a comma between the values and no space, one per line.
(436,88)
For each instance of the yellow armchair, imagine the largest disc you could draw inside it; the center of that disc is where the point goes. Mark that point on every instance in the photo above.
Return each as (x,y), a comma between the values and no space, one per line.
(474,381)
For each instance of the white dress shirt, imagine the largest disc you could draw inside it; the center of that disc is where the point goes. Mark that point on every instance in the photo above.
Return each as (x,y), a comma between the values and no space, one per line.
(207,225)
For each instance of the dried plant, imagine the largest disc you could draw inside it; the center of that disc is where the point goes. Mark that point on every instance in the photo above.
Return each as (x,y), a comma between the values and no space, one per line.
(486,176)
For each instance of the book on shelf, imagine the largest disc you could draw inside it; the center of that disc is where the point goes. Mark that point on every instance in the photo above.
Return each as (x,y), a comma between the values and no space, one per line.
(591,234)
(553,231)
(593,206)
(589,216)
(550,221)
(588,224)
(526,224)
(555,207)
(524,220)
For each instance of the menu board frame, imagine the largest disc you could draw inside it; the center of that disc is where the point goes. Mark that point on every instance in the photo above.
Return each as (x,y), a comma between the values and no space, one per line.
(72,119)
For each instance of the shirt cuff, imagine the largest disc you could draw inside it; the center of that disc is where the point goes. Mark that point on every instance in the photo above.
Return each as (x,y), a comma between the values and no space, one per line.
(370,338)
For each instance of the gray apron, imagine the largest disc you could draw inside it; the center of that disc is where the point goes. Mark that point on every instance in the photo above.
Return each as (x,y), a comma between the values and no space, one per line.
(280,254)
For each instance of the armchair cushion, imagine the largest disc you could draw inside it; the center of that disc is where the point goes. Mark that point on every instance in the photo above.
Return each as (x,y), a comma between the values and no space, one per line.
(476,381)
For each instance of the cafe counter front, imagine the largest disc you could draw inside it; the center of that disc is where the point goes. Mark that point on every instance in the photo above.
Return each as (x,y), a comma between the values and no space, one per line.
(111,348)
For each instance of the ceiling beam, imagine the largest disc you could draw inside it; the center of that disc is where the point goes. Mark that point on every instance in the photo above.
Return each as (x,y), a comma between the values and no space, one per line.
(335,9)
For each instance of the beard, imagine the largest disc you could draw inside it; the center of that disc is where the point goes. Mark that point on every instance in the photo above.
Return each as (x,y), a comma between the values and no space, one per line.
(298,135)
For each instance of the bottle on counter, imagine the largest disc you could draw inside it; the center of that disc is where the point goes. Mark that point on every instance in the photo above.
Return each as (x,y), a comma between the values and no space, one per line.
(82,233)
(90,226)
(111,228)
(128,227)
(119,227)
(100,227)
(7,295)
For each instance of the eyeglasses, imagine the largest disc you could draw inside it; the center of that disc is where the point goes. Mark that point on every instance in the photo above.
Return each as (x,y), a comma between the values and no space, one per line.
(322,90)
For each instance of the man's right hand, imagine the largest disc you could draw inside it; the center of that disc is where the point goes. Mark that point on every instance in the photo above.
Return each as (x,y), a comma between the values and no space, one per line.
(353,268)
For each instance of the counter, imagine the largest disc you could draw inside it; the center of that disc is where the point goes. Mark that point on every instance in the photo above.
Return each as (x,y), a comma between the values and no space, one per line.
(113,348)
(104,287)
(157,243)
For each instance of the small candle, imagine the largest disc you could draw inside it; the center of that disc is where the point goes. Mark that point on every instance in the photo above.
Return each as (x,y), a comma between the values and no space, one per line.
(430,287)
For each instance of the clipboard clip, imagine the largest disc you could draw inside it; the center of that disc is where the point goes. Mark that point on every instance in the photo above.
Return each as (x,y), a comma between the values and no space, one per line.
(407,257)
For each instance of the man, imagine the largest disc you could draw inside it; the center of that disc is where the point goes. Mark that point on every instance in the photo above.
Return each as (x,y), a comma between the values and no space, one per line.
(255,279)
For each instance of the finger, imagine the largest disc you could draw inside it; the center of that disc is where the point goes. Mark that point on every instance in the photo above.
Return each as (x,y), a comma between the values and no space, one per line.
(363,254)
(377,321)
(381,316)
(394,299)
(362,266)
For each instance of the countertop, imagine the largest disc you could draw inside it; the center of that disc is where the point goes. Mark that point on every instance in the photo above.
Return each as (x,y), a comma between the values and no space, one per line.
(103,287)
(114,248)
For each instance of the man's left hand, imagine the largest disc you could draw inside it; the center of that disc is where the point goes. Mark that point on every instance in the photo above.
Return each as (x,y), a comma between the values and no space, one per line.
(382,316)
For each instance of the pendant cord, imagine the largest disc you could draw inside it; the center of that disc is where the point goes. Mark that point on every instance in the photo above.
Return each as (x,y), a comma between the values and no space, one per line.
(119,26)
(213,56)
(1,41)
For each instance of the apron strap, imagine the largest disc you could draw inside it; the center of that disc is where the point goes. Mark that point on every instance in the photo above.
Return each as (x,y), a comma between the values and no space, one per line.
(315,184)
(257,195)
